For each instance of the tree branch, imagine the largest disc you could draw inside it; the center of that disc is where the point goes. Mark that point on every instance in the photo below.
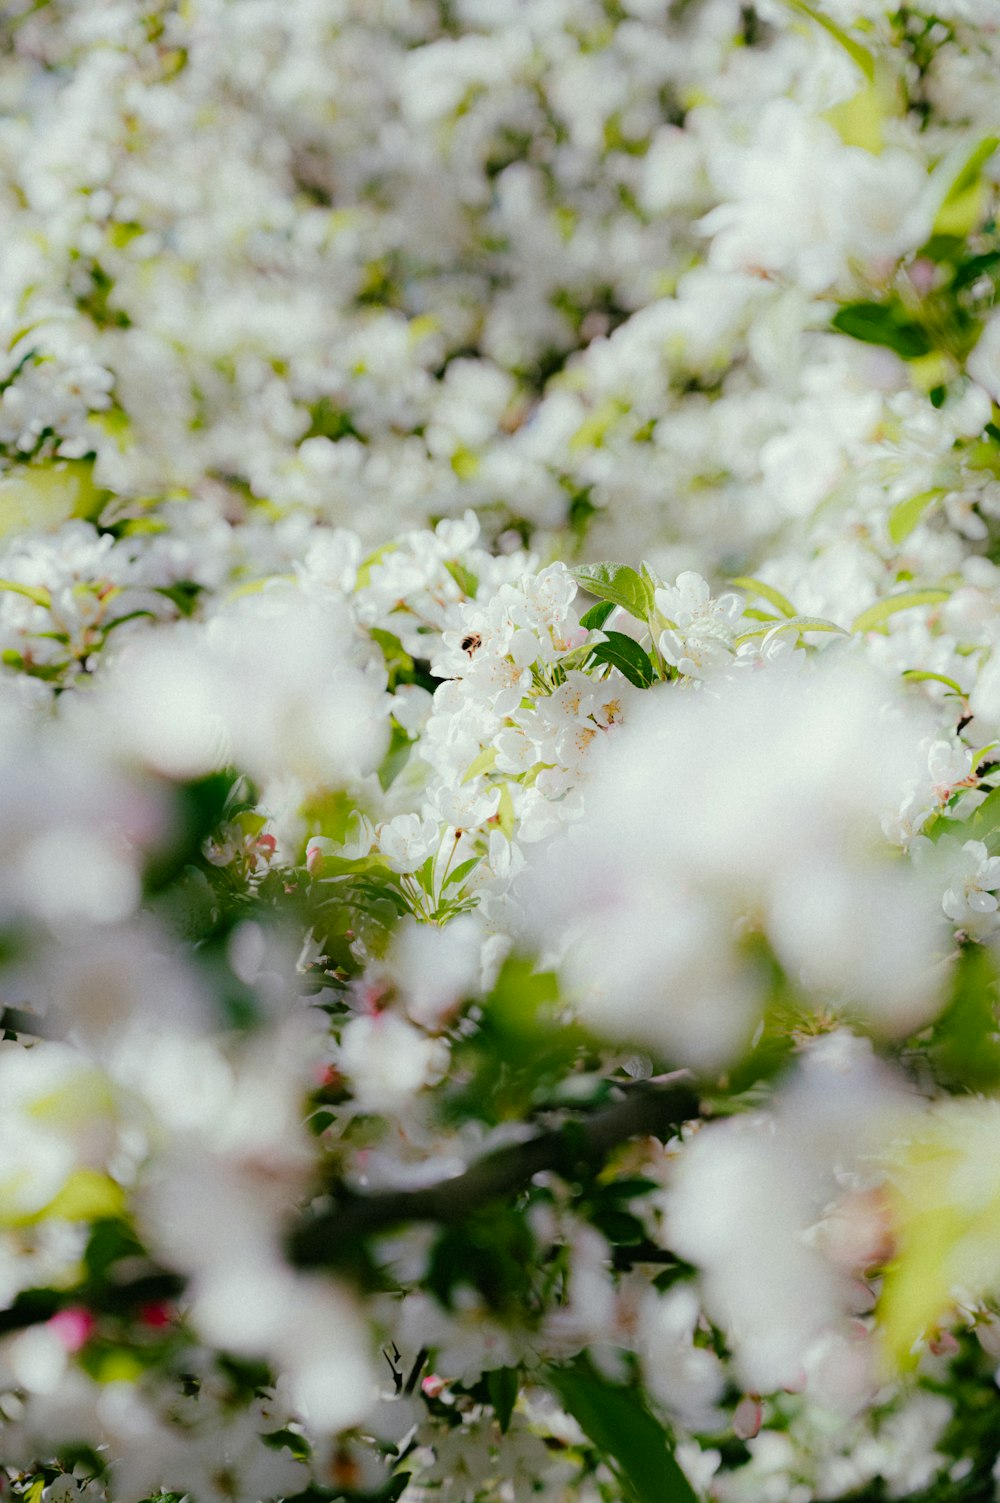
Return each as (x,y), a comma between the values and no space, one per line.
(327,1235)
(19,1020)
(324,1238)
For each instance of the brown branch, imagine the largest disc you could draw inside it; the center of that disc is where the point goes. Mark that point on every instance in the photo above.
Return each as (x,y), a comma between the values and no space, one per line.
(328,1235)
(325,1238)
(19,1020)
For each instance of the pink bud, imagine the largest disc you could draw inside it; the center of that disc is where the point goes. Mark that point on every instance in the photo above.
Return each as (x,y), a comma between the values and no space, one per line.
(433,1386)
(156,1313)
(922,274)
(314,859)
(748,1416)
(74,1327)
(944,1344)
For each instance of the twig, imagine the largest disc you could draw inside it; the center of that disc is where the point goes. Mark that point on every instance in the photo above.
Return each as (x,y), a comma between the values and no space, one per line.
(333,1232)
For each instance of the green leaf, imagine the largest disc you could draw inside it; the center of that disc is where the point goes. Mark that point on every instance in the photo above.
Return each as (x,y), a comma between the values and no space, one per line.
(87,1195)
(461,871)
(985,820)
(184,595)
(369,563)
(425,874)
(397,659)
(480,764)
(505,813)
(966,1051)
(943,824)
(859,55)
(885,324)
(623,1430)
(878,614)
(491,1248)
(973,168)
(963,204)
(502,1385)
(625,654)
(921,675)
(796,624)
(595,618)
(753,614)
(46,495)
(906,514)
(619,584)
(396,757)
(765,591)
(110,1241)
(986,265)
(465,579)
(859,121)
(39,596)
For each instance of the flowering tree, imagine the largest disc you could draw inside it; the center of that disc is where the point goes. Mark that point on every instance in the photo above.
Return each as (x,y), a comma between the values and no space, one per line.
(500,689)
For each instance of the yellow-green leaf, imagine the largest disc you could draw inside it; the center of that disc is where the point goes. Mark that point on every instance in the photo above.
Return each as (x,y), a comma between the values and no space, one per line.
(858,121)
(480,764)
(964,201)
(858,54)
(876,616)
(40,597)
(765,591)
(505,812)
(796,624)
(906,514)
(921,675)
(947,1211)
(368,564)
(86,1196)
(45,496)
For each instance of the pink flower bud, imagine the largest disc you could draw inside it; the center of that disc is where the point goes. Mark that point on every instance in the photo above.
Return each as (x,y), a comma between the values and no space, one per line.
(748,1416)
(922,274)
(74,1327)
(156,1314)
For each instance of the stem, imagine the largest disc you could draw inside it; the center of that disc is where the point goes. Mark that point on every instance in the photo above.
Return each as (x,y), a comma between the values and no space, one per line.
(447,865)
(328,1234)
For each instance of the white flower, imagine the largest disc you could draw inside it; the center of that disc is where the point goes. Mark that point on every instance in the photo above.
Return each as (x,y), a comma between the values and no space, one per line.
(971,899)
(407,840)
(702,637)
(387,1060)
(759,805)
(688,1379)
(746,1192)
